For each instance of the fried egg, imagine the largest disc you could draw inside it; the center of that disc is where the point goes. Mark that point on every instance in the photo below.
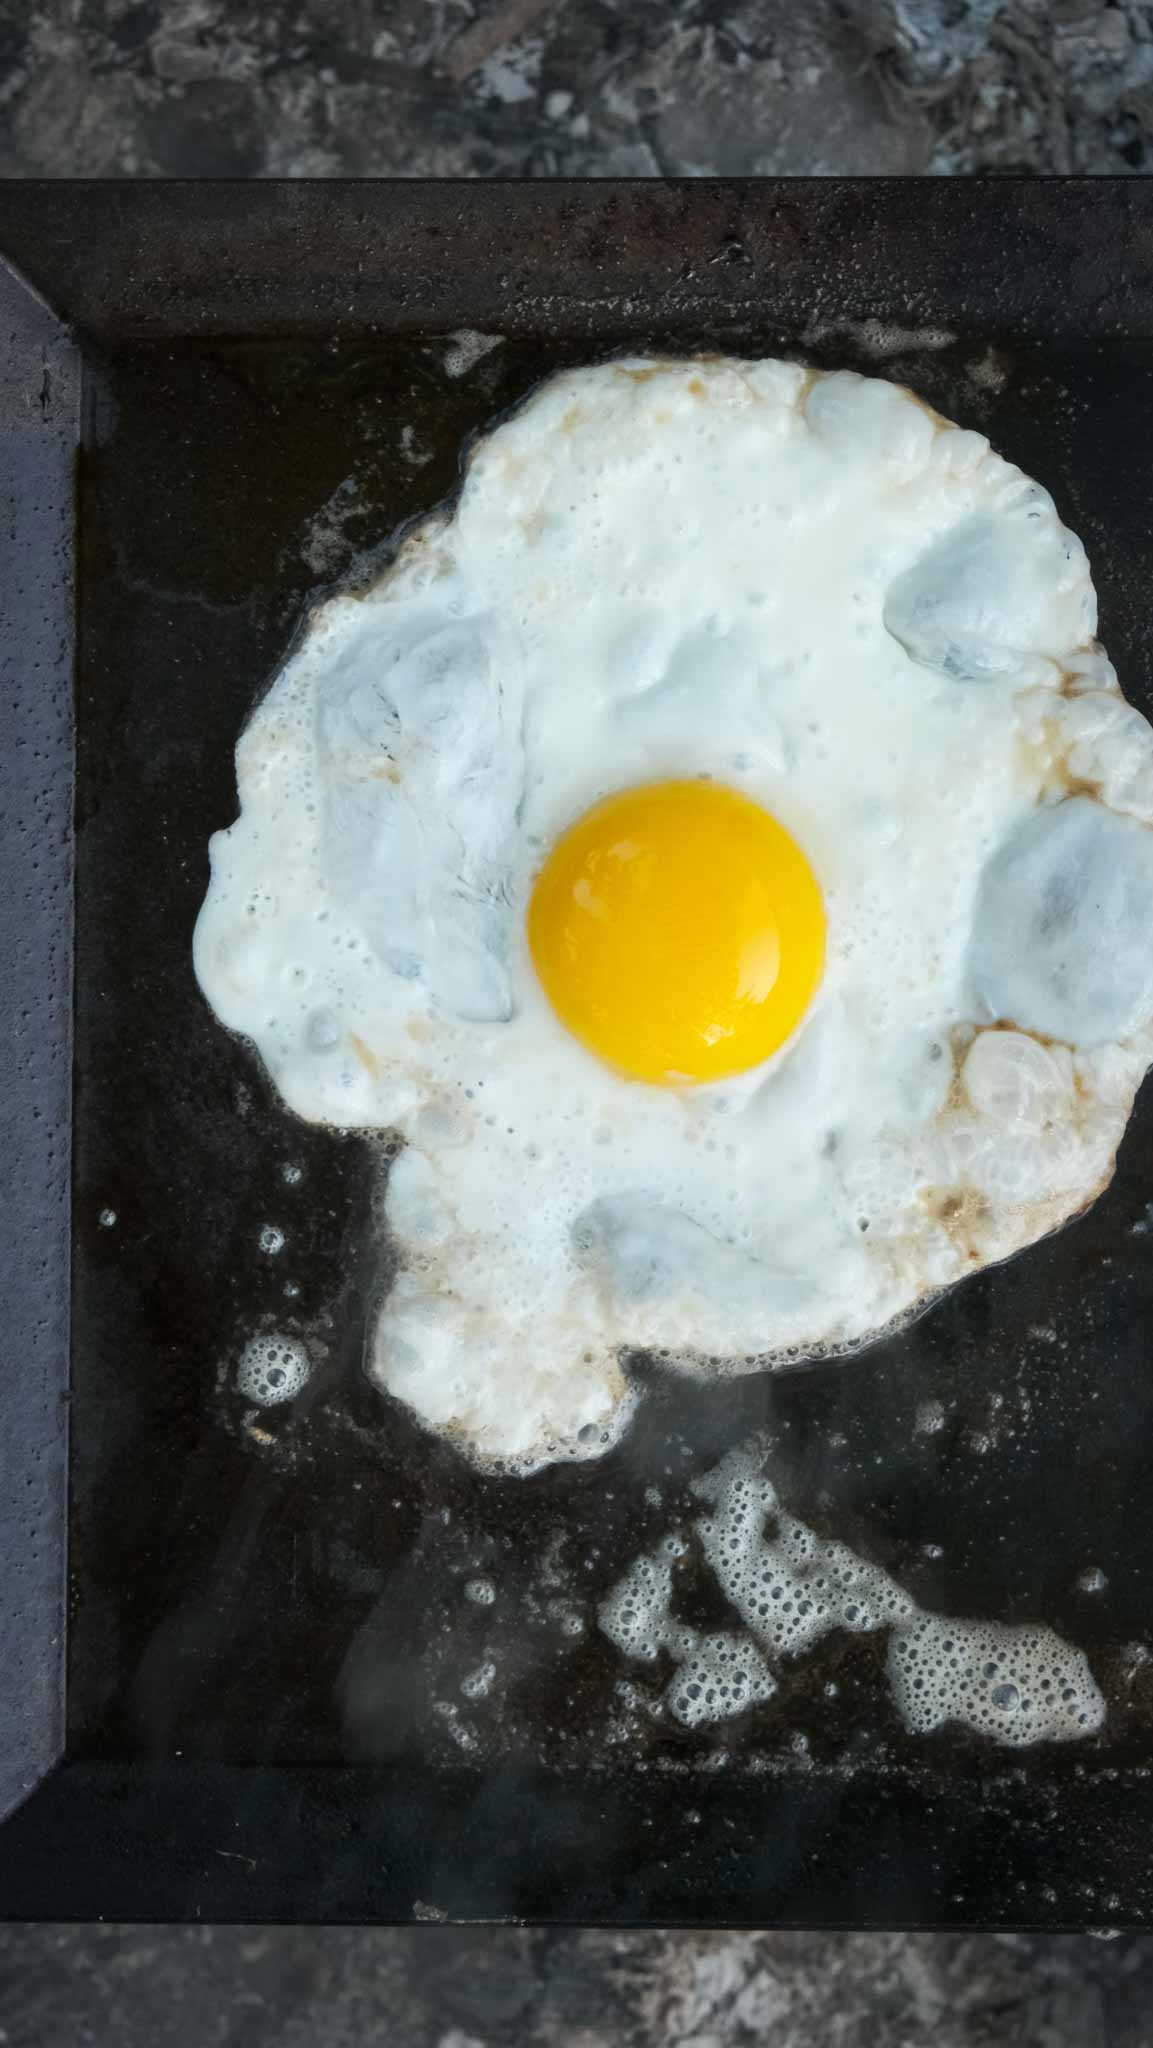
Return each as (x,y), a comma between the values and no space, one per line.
(719,848)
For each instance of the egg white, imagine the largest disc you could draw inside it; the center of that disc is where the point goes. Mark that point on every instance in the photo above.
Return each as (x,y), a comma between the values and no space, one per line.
(813,589)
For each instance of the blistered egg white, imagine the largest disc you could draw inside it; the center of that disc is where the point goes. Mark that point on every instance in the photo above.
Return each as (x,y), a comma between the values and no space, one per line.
(812,589)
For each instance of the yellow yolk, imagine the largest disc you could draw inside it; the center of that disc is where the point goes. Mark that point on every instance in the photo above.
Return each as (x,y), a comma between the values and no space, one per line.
(678,932)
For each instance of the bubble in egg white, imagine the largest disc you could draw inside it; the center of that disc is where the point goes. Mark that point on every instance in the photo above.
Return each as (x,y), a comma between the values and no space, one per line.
(1016,1081)
(1063,940)
(980,603)
(807,584)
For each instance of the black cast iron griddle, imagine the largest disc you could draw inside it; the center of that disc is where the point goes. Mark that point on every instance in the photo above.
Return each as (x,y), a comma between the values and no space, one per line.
(264,1626)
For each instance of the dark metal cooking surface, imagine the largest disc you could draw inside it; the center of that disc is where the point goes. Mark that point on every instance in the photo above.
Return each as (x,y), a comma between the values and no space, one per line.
(268,1623)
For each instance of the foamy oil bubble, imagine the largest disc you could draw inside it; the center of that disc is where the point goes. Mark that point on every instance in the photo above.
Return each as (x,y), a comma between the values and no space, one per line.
(477,1684)
(791,1588)
(459,1730)
(722,1675)
(1018,1684)
(272,1369)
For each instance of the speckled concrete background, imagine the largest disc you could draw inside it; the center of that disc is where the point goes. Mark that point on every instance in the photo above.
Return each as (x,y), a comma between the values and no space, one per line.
(145,88)
(415,88)
(478,1988)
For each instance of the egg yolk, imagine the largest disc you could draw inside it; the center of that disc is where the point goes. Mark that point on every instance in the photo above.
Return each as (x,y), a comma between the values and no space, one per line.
(678,932)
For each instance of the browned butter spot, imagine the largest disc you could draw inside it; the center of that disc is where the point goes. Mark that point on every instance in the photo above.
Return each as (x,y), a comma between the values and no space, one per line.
(930,411)
(365,1055)
(961,1213)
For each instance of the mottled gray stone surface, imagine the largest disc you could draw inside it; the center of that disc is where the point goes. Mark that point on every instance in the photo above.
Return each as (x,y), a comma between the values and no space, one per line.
(491,1988)
(314,88)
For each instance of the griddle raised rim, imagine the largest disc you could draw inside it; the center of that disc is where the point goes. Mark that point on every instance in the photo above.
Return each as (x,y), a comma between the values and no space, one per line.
(1066,257)
(39,423)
